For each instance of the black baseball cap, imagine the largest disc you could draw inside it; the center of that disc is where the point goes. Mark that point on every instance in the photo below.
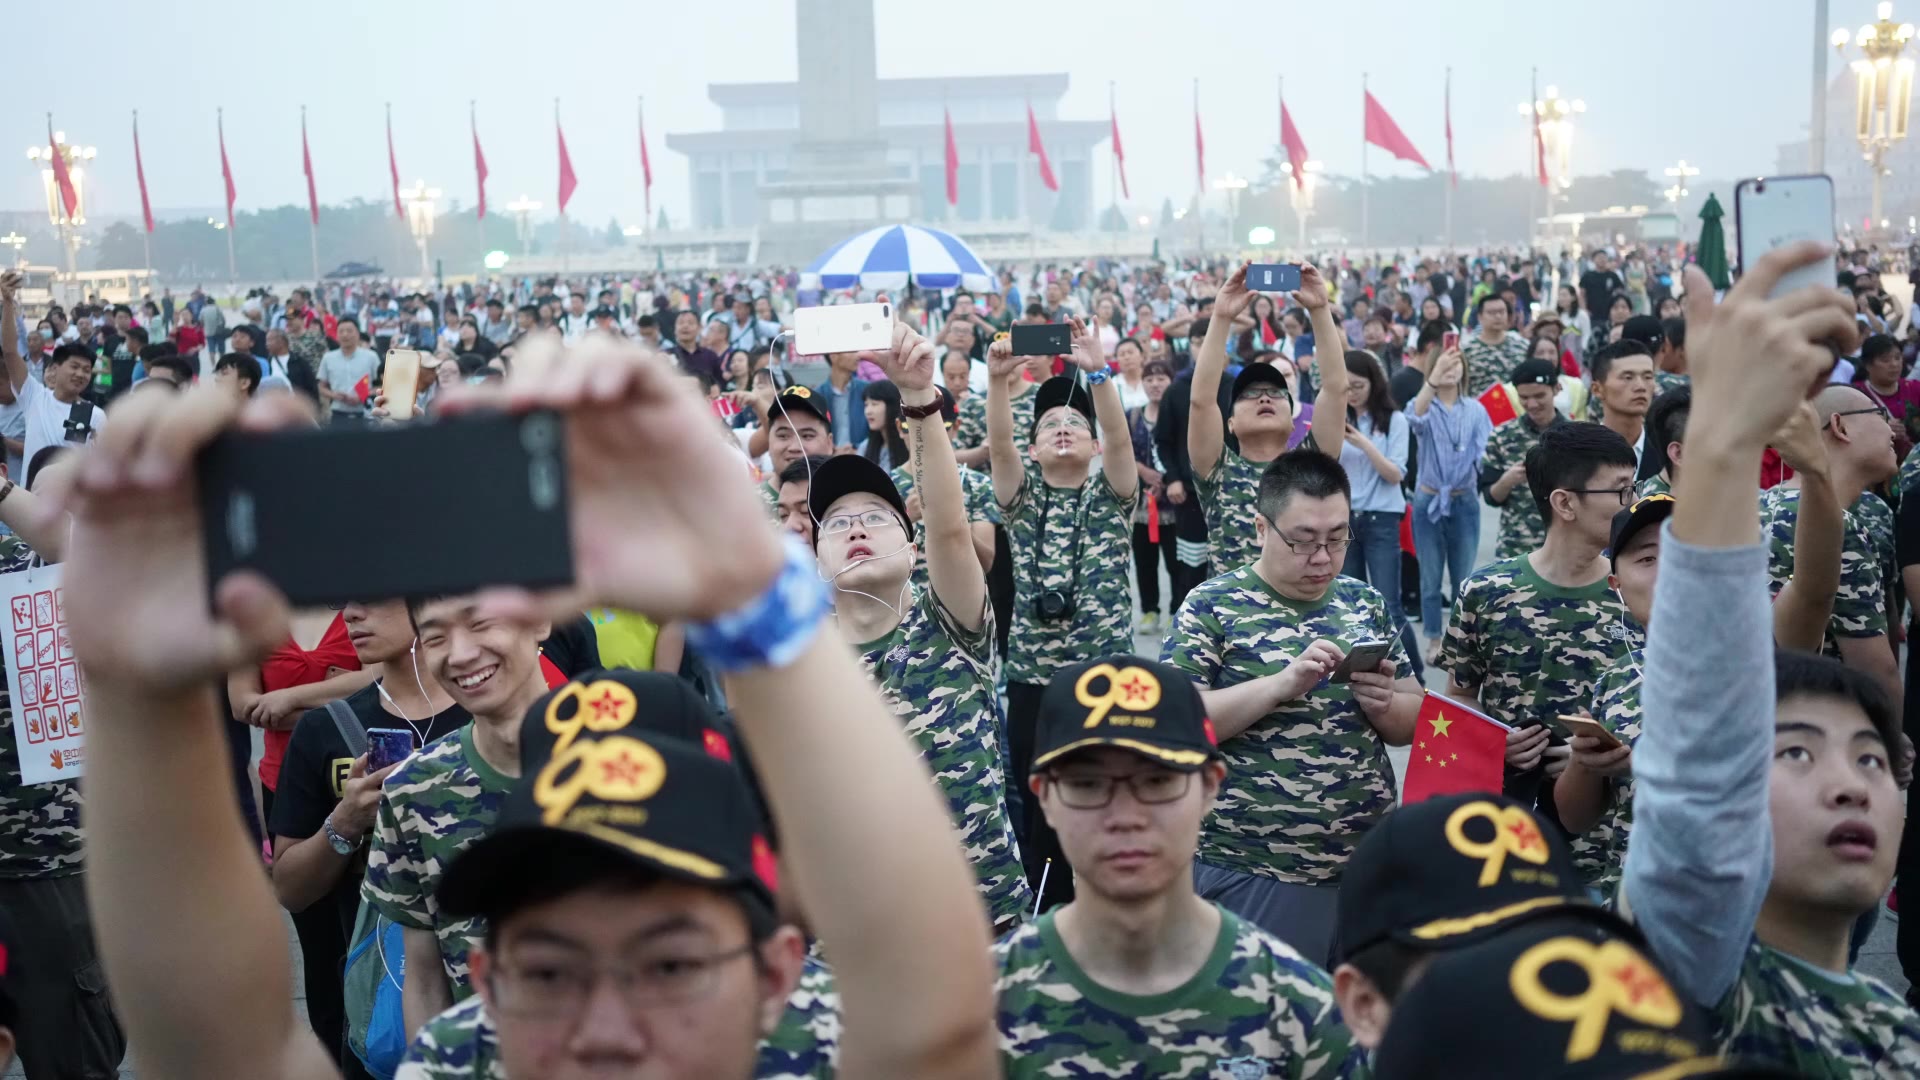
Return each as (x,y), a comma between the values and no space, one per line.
(1129,703)
(1536,373)
(1644,329)
(1061,390)
(1453,870)
(844,474)
(1559,997)
(1259,373)
(1645,511)
(621,765)
(804,399)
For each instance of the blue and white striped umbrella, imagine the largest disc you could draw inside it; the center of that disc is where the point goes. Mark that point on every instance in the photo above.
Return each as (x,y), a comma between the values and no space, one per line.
(889,256)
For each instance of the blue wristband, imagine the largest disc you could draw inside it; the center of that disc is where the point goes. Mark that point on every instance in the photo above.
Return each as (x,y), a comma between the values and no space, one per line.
(1095,378)
(772,629)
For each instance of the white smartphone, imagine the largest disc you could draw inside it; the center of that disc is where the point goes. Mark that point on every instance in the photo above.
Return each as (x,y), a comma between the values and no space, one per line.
(845,328)
(1774,211)
(400,382)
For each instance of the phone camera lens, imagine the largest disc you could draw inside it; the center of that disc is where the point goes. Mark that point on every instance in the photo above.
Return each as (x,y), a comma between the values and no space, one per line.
(538,434)
(1759,187)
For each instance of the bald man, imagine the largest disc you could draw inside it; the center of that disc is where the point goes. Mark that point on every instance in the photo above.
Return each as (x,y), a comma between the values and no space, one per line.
(1858,439)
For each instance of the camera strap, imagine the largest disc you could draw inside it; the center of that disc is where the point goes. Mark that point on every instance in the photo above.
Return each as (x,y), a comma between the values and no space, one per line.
(1040,537)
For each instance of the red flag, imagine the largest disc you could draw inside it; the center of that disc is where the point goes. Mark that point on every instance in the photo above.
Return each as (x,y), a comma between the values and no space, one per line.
(1199,146)
(646,165)
(1035,146)
(1453,177)
(1385,134)
(306,166)
(479,167)
(953,163)
(1455,750)
(393,168)
(1296,146)
(1119,155)
(568,181)
(226,168)
(140,173)
(62,178)
(1499,404)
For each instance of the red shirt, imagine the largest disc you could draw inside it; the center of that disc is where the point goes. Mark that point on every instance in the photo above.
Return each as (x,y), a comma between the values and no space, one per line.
(189,338)
(289,666)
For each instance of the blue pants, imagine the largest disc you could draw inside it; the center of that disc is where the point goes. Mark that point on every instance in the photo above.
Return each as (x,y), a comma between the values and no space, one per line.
(1450,544)
(1374,558)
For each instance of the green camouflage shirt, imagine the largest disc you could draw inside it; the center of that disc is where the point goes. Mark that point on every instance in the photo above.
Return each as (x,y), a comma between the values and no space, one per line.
(1228,495)
(309,345)
(436,804)
(1876,520)
(1255,1009)
(1787,1013)
(1093,524)
(1533,648)
(1491,364)
(938,679)
(976,492)
(1522,529)
(460,1044)
(970,424)
(1859,605)
(1909,471)
(1652,485)
(1600,852)
(1307,780)
(39,823)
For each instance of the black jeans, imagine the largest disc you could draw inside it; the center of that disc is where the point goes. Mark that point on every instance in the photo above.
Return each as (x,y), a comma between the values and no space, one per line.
(1147,560)
(66,1029)
(1038,844)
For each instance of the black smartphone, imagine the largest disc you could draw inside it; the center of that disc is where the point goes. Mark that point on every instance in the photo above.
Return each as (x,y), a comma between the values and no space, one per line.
(386,746)
(1042,339)
(334,515)
(1273,277)
(1363,656)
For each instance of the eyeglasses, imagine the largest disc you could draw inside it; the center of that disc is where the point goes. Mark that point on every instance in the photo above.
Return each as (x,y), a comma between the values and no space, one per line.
(1270,393)
(548,990)
(1881,409)
(1624,494)
(1071,423)
(869,520)
(1093,792)
(1307,547)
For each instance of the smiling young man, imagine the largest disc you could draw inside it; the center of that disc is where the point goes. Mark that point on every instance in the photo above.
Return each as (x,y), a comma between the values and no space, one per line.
(927,642)
(1071,538)
(1139,976)
(795,423)
(1503,469)
(443,798)
(1307,769)
(1766,813)
(58,401)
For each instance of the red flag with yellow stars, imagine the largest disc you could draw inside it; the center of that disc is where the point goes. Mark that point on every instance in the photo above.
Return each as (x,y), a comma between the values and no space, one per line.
(1455,750)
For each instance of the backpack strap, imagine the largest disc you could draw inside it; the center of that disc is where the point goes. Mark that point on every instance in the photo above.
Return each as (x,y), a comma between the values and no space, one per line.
(349,727)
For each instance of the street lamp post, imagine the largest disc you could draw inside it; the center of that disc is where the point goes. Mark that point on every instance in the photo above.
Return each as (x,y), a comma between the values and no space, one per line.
(522,210)
(1301,194)
(420,200)
(1555,116)
(65,224)
(1883,82)
(1233,185)
(1679,174)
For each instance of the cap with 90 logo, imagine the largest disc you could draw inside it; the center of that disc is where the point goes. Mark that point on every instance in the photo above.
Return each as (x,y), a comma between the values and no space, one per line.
(1129,703)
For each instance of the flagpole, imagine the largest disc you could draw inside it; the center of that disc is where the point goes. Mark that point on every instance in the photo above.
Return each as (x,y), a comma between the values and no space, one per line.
(1449,101)
(1533,156)
(313,227)
(146,236)
(1199,181)
(1365,182)
(233,274)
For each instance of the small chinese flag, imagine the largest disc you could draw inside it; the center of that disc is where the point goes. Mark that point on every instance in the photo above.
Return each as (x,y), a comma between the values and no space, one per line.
(1455,750)
(1499,404)
(363,389)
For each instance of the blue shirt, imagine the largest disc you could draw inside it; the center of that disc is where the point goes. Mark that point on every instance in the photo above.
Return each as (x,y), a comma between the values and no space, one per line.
(1369,490)
(1452,440)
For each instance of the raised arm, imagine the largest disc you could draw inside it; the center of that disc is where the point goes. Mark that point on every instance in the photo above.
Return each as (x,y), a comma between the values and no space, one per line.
(1330,357)
(1116,442)
(17,374)
(1009,475)
(1206,430)
(1702,851)
(1801,611)
(953,569)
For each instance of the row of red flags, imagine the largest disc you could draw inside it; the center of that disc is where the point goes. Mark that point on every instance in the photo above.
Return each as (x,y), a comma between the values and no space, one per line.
(569,180)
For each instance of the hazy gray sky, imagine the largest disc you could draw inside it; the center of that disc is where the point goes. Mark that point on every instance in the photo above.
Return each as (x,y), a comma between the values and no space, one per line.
(1718,82)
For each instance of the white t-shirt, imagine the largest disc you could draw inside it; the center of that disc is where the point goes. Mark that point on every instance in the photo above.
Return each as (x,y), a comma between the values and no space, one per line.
(47,419)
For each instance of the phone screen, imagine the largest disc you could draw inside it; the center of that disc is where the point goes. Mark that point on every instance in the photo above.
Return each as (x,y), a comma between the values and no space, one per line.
(1273,277)
(386,746)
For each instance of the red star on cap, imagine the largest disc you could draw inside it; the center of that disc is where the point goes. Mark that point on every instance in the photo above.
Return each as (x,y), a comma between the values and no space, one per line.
(623,768)
(1639,982)
(1133,689)
(1524,834)
(606,706)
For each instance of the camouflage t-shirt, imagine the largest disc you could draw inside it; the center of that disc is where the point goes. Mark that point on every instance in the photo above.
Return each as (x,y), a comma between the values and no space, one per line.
(1876,520)
(1909,471)
(1490,364)
(1307,780)
(970,423)
(1093,525)
(1652,485)
(1522,529)
(1535,649)
(938,679)
(1600,852)
(39,823)
(435,805)
(1228,495)
(976,493)
(1255,1009)
(1787,1013)
(460,1044)
(1859,604)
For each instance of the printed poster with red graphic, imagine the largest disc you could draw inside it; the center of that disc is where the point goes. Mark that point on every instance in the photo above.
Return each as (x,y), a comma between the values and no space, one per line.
(44,680)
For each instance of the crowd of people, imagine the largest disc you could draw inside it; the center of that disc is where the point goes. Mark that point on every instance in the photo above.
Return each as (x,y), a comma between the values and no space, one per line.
(841,754)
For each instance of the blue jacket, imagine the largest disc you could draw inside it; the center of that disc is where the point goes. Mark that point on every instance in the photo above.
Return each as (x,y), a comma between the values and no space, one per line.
(856,411)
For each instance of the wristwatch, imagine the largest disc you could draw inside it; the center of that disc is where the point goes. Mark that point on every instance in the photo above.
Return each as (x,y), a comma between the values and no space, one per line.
(340,843)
